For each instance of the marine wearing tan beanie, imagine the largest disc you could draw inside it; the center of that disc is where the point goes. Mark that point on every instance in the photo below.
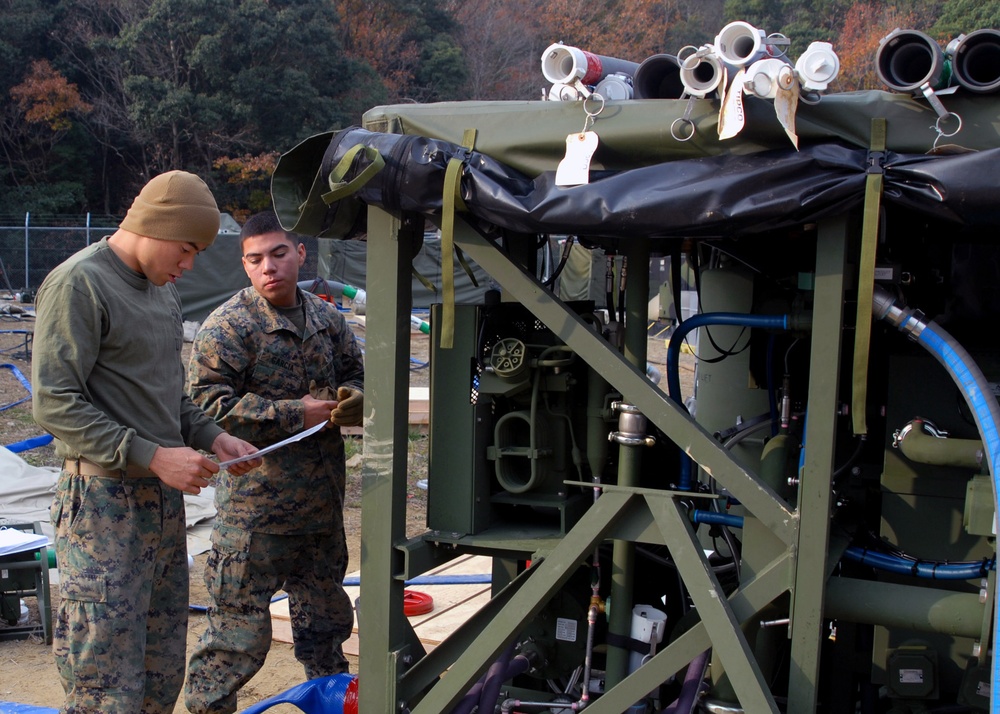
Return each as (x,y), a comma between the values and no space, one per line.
(176,205)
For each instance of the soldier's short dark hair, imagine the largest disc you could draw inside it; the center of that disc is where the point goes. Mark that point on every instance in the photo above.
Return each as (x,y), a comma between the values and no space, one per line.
(262,223)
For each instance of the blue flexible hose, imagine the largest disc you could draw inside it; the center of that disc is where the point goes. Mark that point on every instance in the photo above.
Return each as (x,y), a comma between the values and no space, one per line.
(20,378)
(771,322)
(31,443)
(712,518)
(979,395)
(920,568)
(739,319)
(986,412)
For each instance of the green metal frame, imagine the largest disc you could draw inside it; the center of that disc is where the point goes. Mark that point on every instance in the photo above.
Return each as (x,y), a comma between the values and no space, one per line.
(395,672)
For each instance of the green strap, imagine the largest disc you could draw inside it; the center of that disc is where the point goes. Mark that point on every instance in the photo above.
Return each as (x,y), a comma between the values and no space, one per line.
(451,201)
(866,276)
(464,262)
(339,189)
(424,280)
(312,213)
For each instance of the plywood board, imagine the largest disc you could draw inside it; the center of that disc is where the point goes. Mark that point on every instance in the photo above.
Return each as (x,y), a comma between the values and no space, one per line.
(453,604)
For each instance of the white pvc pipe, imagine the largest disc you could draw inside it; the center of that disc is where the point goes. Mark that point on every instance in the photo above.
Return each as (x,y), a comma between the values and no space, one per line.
(563,64)
(740,43)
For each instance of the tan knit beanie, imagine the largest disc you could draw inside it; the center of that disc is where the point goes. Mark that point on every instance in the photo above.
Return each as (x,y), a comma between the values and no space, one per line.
(176,205)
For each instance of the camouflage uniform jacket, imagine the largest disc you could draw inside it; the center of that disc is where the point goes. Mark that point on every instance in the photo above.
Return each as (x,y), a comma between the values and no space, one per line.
(249,370)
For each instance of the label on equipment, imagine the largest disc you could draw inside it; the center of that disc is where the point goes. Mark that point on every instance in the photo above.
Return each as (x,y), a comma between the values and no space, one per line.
(565,629)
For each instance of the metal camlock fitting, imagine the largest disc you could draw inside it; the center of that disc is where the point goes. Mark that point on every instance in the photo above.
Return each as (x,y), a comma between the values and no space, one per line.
(631,426)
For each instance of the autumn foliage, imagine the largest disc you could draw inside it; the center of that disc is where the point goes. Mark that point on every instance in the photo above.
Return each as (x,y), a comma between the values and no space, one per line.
(375,31)
(864,26)
(46,97)
(627,30)
(99,95)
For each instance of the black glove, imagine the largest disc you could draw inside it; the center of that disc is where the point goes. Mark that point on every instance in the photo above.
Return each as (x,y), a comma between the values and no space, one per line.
(351,404)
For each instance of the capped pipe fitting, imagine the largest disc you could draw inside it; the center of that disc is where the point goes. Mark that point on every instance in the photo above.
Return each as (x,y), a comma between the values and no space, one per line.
(616,86)
(817,66)
(563,93)
(765,77)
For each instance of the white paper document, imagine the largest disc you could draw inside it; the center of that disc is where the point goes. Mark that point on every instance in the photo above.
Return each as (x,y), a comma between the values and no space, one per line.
(13,540)
(273,447)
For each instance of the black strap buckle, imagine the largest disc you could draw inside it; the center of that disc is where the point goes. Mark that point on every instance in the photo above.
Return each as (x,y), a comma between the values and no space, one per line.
(876,162)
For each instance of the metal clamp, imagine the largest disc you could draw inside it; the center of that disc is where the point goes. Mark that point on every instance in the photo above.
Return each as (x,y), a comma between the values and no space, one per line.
(943,114)
(927,426)
(684,121)
(631,426)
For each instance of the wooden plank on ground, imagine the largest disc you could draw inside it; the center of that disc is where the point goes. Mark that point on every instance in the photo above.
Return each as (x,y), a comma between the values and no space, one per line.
(418,415)
(453,604)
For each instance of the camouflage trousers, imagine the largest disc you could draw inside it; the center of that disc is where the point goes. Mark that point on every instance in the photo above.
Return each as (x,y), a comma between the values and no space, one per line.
(121,628)
(242,574)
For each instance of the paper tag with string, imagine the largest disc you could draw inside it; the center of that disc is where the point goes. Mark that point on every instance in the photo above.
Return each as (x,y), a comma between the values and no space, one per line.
(786,104)
(574,169)
(732,117)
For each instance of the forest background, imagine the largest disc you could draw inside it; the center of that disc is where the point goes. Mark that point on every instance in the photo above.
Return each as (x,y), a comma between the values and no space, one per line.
(97,96)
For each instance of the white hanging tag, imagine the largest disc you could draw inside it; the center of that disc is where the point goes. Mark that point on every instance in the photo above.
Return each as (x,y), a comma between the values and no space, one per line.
(732,118)
(574,169)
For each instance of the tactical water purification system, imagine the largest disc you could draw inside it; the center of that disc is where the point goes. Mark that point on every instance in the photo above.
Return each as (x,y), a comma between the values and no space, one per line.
(811,527)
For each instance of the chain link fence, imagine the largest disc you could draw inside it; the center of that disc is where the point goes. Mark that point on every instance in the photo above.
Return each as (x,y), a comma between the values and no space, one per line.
(30,250)
(35,244)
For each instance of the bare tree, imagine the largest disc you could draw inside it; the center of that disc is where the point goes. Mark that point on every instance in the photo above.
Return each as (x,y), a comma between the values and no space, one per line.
(502,47)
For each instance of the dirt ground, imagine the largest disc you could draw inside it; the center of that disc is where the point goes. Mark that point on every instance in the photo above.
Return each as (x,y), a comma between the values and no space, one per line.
(27,671)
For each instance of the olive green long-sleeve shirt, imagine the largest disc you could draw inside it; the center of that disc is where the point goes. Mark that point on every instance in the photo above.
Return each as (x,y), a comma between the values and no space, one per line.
(107,376)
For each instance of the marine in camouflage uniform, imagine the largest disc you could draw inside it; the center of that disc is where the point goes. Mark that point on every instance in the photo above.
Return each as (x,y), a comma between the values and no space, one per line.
(108,384)
(279,527)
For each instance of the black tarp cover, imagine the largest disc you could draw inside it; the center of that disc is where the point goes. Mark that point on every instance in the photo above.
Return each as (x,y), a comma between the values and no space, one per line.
(645,183)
